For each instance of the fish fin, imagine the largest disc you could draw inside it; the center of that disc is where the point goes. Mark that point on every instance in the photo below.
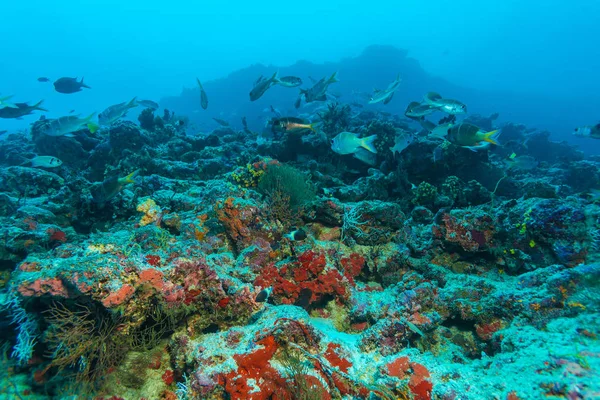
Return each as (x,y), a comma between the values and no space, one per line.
(83,84)
(369,143)
(93,127)
(37,105)
(68,135)
(89,117)
(333,78)
(199,84)
(132,103)
(473,148)
(492,137)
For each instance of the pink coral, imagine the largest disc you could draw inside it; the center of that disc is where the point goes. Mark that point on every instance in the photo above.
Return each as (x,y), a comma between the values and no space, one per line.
(53,287)
(118,297)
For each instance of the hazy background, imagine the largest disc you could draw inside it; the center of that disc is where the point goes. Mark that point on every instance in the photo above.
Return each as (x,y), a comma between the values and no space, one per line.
(153,49)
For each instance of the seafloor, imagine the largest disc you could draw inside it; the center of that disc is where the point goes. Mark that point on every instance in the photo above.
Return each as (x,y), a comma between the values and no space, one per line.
(467,277)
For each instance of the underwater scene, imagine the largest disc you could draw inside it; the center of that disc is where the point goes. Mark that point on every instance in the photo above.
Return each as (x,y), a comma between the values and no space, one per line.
(299,201)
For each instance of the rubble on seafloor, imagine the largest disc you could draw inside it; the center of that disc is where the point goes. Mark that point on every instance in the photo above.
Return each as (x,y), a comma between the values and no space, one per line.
(421,279)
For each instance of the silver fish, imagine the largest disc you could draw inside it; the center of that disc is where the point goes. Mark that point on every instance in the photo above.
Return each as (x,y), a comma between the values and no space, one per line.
(115,112)
(262,85)
(319,91)
(290,81)
(45,162)
(203,96)
(65,126)
(148,104)
(386,95)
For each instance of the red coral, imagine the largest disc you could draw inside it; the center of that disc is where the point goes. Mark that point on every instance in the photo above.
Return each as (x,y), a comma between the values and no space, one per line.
(118,297)
(332,355)
(419,384)
(255,366)
(485,331)
(153,260)
(223,302)
(168,377)
(56,235)
(309,272)
(353,266)
(40,287)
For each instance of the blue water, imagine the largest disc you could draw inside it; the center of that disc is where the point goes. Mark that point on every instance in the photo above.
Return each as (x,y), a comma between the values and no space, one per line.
(539,54)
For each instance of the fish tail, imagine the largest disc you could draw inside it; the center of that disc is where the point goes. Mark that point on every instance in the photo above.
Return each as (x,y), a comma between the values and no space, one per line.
(130,178)
(83,84)
(92,127)
(37,105)
(333,78)
(132,103)
(312,127)
(275,77)
(199,84)
(492,137)
(369,143)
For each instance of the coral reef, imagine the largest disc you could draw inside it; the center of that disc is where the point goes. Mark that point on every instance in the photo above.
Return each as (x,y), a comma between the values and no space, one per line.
(236,270)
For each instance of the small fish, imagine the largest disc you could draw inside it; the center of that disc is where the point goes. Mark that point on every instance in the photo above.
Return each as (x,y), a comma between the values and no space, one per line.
(449,106)
(416,110)
(522,163)
(386,95)
(296,235)
(21,110)
(401,143)
(263,295)
(65,126)
(221,122)
(437,131)
(105,191)
(290,81)
(203,96)
(291,123)
(69,85)
(5,104)
(471,136)
(356,104)
(298,102)
(319,91)
(3,132)
(245,124)
(349,143)
(115,112)
(261,85)
(453,107)
(43,79)
(591,131)
(71,112)
(148,104)
(45,162)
